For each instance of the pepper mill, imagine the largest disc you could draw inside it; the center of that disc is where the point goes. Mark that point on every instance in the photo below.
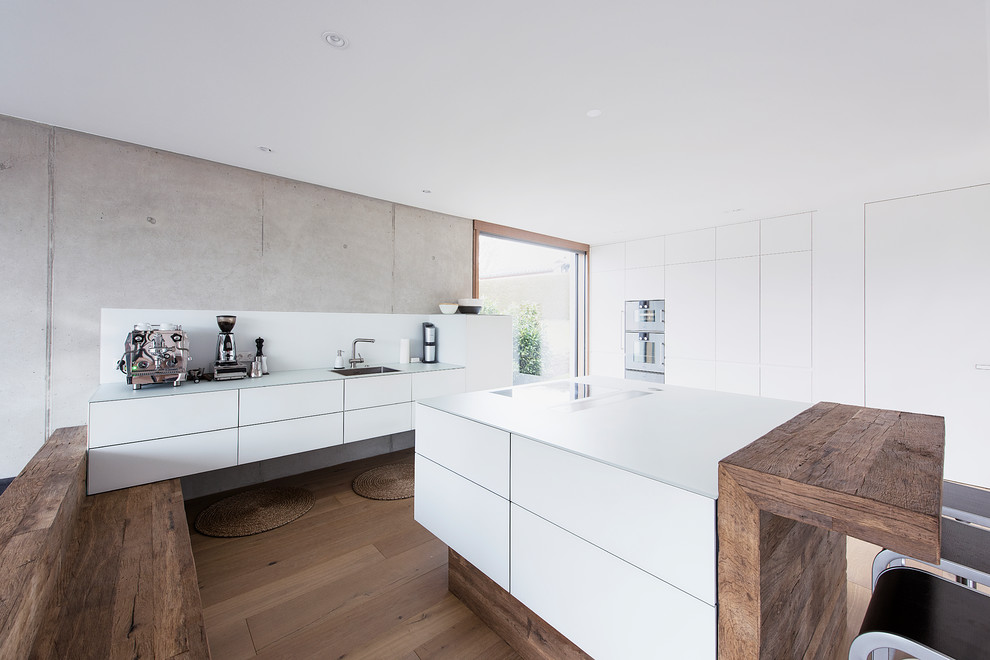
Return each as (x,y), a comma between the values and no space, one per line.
(259,342)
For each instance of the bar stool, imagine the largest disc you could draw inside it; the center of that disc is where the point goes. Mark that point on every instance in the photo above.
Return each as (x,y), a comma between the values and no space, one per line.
(965,554)
(926,616)
(966,503)
(965,546)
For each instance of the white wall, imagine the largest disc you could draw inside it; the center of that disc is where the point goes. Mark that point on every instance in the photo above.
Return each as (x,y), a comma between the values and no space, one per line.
(928,317)
(810,313)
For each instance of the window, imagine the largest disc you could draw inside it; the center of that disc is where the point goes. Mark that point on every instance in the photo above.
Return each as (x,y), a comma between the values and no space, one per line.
(541,282)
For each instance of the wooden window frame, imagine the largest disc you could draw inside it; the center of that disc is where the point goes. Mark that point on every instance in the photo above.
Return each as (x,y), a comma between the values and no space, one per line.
(511,233)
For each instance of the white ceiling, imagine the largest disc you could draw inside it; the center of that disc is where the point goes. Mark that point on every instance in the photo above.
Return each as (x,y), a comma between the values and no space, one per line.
(768,106)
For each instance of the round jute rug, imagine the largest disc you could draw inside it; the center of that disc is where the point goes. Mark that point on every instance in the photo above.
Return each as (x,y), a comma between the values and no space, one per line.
(254,511)
(387,482)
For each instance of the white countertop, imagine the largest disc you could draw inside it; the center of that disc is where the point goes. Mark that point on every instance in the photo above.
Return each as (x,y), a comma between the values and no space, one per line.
(121,390)
(672,434)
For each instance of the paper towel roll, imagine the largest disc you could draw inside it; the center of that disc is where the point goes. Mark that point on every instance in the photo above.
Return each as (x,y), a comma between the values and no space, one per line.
(403,351)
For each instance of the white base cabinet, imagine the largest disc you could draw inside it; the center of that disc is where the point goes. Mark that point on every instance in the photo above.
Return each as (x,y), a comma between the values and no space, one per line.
(605,605)
(150,435)
(270,404)
(379,420)
(120,466)
(622,565)
(260,442)
(664,530)
(477,452)
(117,422)
(465,516)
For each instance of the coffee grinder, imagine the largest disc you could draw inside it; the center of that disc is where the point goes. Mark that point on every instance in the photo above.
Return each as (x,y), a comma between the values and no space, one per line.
(429,343)
(226,367)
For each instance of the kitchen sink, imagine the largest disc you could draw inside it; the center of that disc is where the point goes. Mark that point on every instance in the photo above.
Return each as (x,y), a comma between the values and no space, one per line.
(364,371)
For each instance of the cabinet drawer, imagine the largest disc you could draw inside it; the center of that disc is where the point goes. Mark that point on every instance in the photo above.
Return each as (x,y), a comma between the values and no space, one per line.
(590,595)
(120,466)
(377,391)
(437,383)
(269,404)
(261,441)
(476,451)
(468,518)
(373,422)
(664,530)
(117,422)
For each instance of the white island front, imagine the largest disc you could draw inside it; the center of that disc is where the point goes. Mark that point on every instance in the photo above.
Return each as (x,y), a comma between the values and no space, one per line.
(591,501)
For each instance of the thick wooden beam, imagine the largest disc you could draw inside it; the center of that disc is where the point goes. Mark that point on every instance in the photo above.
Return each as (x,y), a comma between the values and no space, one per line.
(37,517)
(530,636)
(130,587)
(786,502)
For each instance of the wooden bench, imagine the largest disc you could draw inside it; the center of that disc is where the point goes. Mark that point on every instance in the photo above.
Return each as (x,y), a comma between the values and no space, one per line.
(100,576)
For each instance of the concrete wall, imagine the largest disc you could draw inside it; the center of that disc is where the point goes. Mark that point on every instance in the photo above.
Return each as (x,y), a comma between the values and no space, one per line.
(135,227)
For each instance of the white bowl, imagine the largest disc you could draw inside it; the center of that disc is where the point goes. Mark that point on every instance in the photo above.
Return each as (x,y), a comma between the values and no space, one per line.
(448,308)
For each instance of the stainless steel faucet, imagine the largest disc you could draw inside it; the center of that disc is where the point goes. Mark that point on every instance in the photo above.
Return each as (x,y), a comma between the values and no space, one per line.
(355,356)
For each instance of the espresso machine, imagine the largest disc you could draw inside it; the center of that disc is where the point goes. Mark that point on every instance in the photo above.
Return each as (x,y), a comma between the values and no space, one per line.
(226,366)
(429,343)
(155,354)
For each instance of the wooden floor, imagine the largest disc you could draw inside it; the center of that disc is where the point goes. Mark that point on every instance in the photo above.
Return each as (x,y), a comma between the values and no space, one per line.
(353,578)
(359,578)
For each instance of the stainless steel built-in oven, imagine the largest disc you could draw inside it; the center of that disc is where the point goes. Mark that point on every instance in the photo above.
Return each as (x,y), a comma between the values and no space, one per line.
(645,340)
(644,355)
(644,316)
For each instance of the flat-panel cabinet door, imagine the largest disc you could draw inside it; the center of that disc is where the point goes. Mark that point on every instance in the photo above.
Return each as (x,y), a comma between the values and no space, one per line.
(292,436)
(475,451)
(785,309)
(130,420)
(690,307)
(608,607)
(269,404)
(470,519)
(120,466)
(437,383)
(370,391)
(373,422)
(737,310)
(662,529)
(644,283)
(606,311)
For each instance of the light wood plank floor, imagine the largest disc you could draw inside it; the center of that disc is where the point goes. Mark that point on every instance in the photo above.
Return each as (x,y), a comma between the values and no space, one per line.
(359,578)
(353,578)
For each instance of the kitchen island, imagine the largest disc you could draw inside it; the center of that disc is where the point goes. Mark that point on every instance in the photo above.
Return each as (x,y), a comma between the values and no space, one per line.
(581,514)
(592,502)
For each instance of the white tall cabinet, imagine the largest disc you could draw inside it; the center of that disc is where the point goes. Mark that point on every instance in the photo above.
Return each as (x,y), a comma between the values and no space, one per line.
(620,272)
(690,307)
(606,322)
(928,315)
(738,305)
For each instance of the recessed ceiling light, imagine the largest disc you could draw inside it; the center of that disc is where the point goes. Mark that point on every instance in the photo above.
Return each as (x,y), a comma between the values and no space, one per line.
(265,149)
(427,191)
(335,40)
(594,113)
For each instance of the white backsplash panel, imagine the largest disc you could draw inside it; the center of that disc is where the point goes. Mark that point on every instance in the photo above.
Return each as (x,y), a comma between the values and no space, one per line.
(293,340)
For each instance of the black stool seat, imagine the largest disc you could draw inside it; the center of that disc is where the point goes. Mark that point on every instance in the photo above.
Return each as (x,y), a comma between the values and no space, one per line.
(928,613)
(966,503)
